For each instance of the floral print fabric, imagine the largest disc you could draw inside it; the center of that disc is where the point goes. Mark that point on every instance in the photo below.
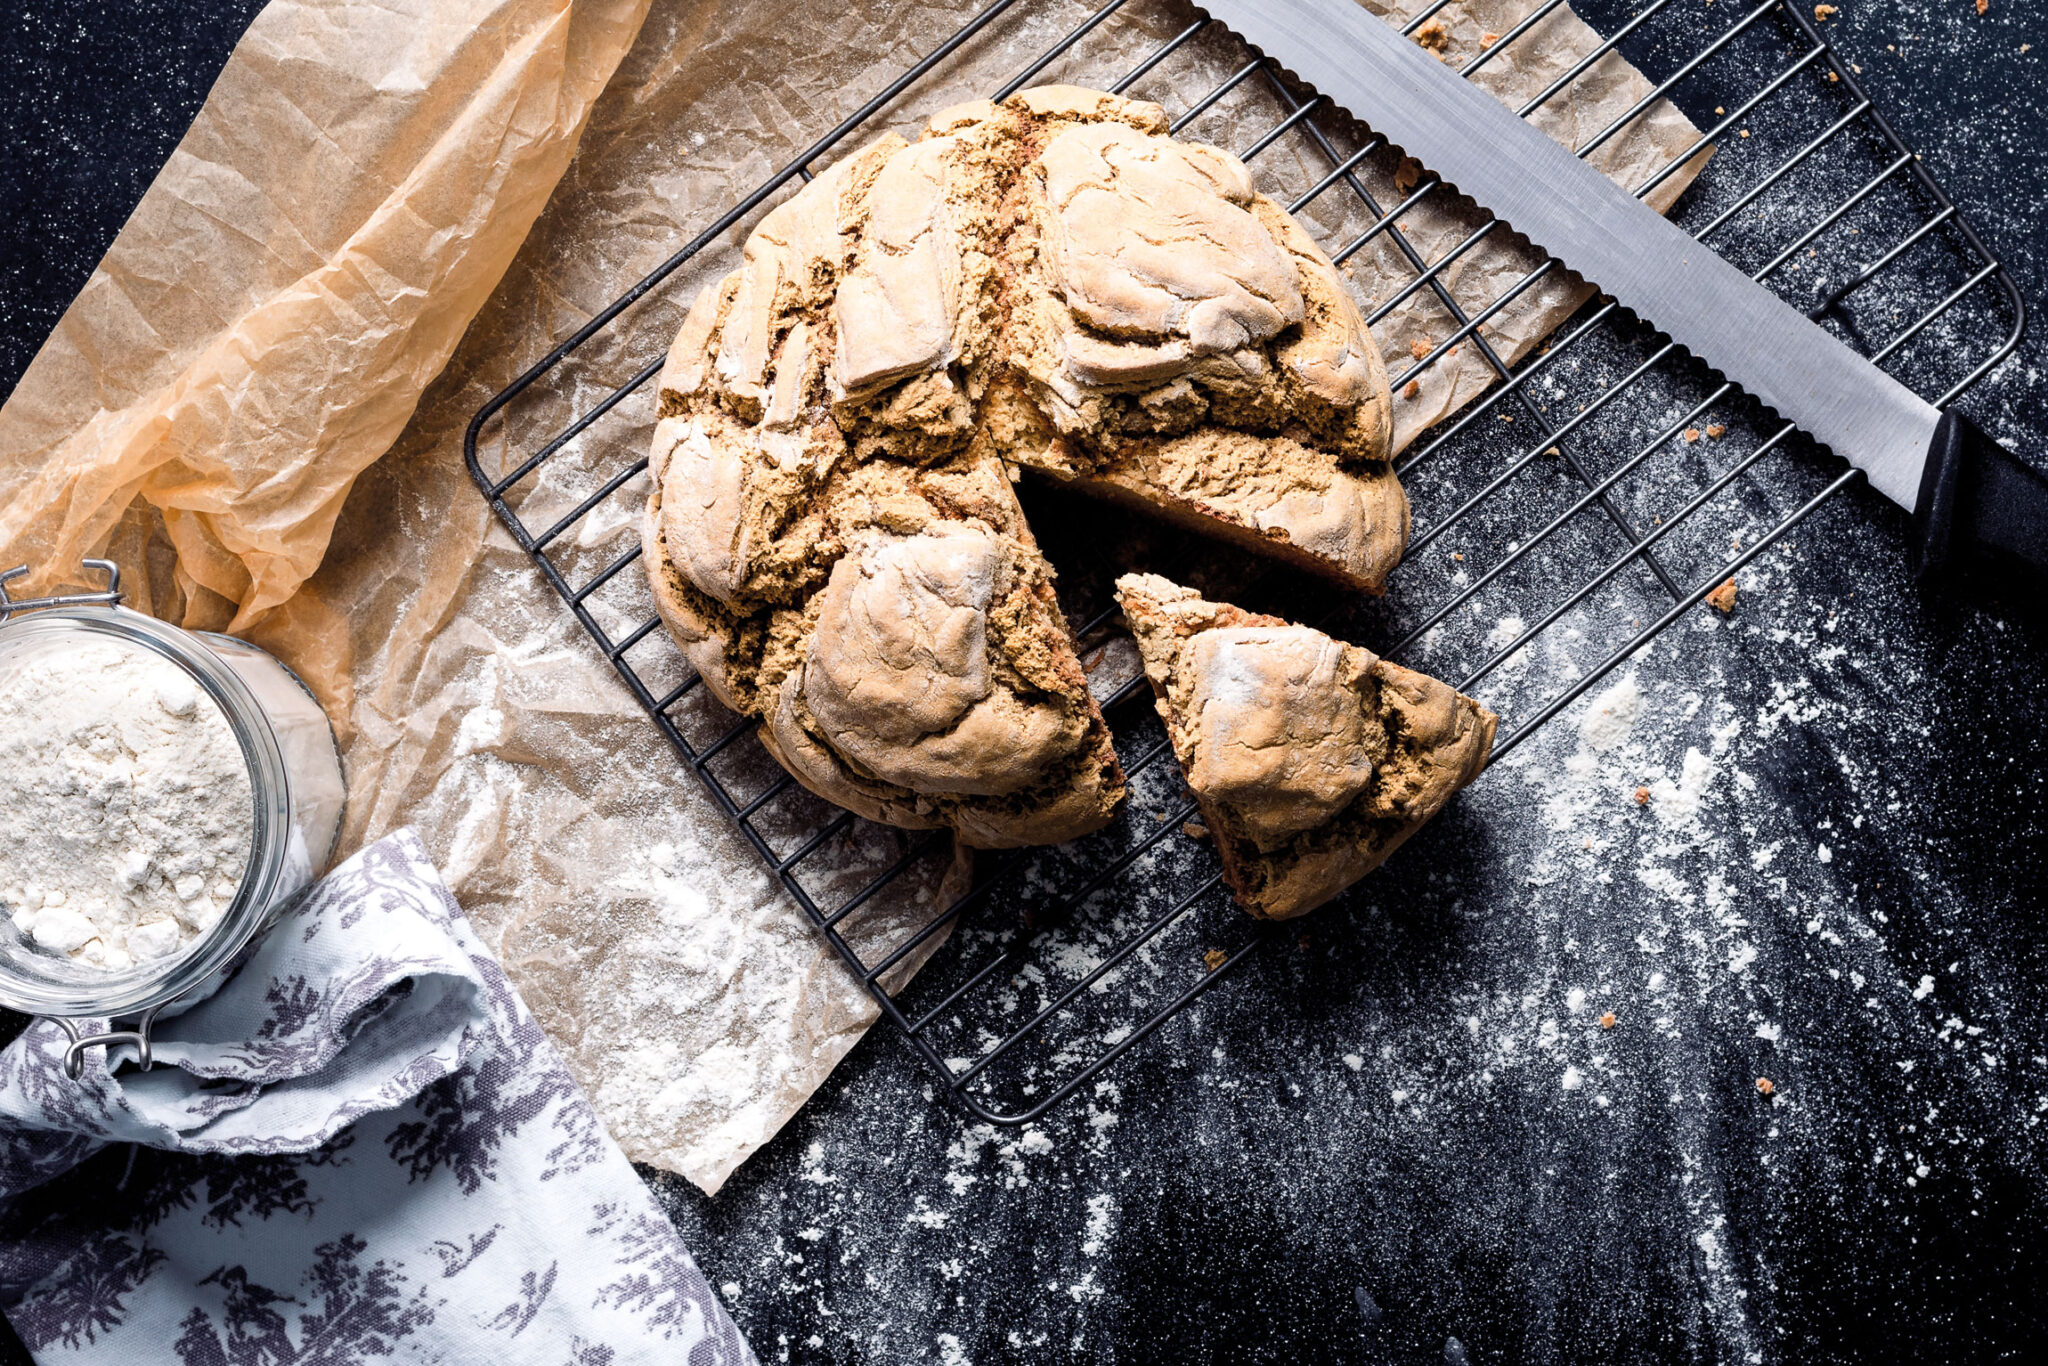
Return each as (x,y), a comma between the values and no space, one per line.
(361,1148)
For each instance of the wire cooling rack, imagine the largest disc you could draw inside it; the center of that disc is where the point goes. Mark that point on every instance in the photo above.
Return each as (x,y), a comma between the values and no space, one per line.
(1596,491)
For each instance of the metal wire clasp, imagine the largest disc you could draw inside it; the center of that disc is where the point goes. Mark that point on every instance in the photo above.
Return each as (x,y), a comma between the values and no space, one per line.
(108,596)
(74,1056)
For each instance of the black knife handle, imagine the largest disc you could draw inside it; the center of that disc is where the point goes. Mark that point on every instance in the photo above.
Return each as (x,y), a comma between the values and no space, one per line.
(1981,508)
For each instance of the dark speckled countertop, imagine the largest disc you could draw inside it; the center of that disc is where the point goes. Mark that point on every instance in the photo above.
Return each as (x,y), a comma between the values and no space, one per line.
(1410,1127)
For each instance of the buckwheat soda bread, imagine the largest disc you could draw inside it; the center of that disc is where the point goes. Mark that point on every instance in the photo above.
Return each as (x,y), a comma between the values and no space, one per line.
(1049,283)
(1312,759)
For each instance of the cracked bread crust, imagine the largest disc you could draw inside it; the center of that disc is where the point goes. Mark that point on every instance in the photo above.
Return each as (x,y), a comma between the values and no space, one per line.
(1311,759)
(892,623)
(1050,282)
(705,641)
(929,681)
(1143,264)
(902,671)
(1168,324)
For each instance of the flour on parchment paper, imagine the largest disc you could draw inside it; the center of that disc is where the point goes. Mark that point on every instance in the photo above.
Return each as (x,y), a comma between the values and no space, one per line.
(689,996)
(697,1007)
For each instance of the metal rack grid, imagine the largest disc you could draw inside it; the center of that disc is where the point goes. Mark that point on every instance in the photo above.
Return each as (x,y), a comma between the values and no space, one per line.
(1650,533)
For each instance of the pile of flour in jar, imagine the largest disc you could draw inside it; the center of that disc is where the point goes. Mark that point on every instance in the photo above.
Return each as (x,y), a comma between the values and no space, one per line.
(125,808)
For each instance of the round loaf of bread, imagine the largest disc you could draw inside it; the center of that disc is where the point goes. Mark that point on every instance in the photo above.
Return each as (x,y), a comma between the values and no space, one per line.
(1050,283)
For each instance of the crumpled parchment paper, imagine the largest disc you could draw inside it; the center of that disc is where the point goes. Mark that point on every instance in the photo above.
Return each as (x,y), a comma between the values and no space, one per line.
(283,303)
(353,189)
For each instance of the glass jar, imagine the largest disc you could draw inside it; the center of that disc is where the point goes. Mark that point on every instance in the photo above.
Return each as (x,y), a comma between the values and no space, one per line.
(297,796)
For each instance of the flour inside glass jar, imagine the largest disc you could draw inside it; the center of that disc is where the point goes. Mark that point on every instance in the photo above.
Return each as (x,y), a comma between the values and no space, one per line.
(125,807)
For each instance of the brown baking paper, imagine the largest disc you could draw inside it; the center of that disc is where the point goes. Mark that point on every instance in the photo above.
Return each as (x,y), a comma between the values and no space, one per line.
(261,330)
(244,405)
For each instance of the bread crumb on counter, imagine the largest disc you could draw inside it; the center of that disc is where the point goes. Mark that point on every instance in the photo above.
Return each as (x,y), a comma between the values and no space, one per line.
(1434,36)
(1763,1084)
(1215,958)
(1691,434)
(1642,796)
(1822,13)
(1715,431)
(1722,599)
(1413,388)
(1607,1020)
(1420,347)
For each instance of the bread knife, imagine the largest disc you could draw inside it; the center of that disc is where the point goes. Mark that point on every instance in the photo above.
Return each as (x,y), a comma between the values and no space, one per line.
(1973,502)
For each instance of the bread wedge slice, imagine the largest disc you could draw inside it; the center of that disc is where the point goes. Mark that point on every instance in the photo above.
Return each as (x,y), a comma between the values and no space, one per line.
(1311,759)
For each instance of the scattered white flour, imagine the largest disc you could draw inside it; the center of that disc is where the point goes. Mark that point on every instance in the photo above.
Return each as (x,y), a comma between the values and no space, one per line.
(1506,632)
(1101,1221)
(1612,716)
(1678,804)
(126,804)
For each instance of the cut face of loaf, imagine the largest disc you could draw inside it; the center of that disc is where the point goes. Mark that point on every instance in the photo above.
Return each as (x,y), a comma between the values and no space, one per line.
(1312,760)
(1051,283)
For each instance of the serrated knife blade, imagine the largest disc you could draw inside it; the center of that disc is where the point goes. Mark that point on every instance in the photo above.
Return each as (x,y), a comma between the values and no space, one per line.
(1569,209)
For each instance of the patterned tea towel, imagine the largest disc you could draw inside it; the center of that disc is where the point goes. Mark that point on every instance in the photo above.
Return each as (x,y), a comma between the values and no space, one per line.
(360,1149)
